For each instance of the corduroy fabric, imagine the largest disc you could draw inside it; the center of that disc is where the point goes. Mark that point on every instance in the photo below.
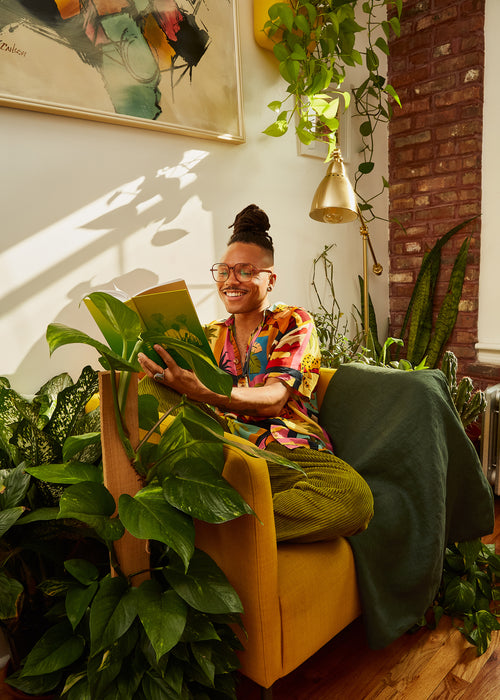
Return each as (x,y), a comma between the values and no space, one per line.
(330,500)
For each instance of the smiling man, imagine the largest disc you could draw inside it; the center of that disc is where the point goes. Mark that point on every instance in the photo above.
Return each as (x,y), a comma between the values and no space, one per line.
(273,355)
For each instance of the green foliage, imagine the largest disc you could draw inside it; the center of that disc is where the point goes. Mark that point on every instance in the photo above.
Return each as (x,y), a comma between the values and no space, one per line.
(423,340)
(470,591)
(101,637)
(315,44)
(470,403)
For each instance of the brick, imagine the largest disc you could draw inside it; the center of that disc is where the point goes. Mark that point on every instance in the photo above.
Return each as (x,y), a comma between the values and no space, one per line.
(447,197)
(458,130)
(462,61)
(471,178)
(445,15)
(445,82)
(433,213)
(413,247)
(447,165)
(443,182)
(471,209)
(445,99)
(411,139)
(400,125)
(401,277)
(406,172)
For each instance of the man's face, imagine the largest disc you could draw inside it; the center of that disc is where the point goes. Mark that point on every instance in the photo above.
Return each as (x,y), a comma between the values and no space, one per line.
(246,297)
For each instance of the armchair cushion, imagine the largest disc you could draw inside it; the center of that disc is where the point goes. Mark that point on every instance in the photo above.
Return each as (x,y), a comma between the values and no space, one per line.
(401,431)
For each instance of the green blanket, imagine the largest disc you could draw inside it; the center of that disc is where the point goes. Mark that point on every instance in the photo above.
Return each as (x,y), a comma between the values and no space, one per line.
(401,431)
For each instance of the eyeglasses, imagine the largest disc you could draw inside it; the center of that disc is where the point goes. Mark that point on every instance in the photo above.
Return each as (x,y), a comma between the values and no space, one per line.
(243,272)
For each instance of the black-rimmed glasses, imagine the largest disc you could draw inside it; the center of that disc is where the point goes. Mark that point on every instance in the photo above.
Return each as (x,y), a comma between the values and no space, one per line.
(243,272)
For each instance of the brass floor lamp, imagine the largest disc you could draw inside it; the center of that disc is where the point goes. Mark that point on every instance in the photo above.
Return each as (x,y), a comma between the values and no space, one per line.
(335,203)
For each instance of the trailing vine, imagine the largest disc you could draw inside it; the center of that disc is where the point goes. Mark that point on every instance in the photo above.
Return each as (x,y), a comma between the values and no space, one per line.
(315,44)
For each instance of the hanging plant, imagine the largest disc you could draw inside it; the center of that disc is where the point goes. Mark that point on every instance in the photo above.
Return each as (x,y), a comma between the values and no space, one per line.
(315,44)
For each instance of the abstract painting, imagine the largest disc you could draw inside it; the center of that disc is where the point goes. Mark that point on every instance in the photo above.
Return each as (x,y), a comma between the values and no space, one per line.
(172,65)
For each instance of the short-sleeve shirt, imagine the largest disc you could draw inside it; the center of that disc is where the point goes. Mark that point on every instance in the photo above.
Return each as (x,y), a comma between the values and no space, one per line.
(285,346)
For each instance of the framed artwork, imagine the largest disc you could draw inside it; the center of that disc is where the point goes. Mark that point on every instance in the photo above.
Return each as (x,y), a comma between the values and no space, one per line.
(171,65)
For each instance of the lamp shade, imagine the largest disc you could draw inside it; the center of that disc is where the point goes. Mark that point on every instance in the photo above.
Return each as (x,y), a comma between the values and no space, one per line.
(334,201)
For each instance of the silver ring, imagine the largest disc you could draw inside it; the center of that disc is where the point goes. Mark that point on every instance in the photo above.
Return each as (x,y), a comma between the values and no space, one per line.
(159,376)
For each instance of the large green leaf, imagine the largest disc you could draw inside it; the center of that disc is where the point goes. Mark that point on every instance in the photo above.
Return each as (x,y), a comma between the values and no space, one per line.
(58,335)
(58,648)
(193,433)
(9,517)
(14,484)
(205,369)
(92,504)
(196,488)
(78,599)
(420,328)
(120,317)
(459,595)
(204,586)
(163,615)
(67,473)
(448,312)
(434,253)
(77,443)
(83,570)
(11,591)
(112,612)
(148,516)
(71,403)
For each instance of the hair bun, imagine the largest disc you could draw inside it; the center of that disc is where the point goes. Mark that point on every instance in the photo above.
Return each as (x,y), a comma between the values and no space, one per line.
(251,225)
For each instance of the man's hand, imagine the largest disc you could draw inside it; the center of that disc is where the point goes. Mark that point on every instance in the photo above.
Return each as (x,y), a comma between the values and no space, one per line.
(181,380)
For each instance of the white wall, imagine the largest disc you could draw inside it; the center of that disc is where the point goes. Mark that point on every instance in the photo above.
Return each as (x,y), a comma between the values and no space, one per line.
(488,345)
(86,204)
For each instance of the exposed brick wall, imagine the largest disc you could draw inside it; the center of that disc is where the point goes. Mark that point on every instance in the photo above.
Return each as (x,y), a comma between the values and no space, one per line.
(435,140)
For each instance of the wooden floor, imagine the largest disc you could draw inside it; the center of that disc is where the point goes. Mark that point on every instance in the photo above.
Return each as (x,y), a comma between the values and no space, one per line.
(436,664)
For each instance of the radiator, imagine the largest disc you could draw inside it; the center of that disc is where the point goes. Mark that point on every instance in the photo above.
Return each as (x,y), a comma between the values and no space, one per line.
(490,438)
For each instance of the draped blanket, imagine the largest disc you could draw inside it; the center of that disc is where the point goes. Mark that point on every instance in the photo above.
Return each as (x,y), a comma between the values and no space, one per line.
(401,431)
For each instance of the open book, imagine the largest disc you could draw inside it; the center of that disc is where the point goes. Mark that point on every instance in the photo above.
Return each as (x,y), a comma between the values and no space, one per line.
(167,309)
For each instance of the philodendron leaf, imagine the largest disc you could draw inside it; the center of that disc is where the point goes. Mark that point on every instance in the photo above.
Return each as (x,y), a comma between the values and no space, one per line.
(84,571)
(67,473)
(78,599)
(204,586)
(58,335)
(77,443)
(115,314)
(92,504)
(112,612)
(205,369)
(10,593)
(163,615)
(148,516)
(459,595)
(9,517)
(59,647)
(196,488)
(14,484)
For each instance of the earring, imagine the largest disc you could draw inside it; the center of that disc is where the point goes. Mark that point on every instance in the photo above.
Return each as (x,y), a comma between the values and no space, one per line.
(269,289)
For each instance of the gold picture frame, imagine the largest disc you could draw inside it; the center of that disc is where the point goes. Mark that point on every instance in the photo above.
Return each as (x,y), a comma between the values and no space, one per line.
(167,65)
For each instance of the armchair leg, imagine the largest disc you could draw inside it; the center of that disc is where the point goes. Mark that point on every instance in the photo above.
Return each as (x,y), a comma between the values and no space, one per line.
(266,693)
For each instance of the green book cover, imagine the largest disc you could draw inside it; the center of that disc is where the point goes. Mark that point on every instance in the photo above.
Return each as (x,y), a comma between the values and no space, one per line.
(167,309)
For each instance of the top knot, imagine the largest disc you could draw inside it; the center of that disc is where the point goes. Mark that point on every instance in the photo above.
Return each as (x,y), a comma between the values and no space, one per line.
(251,225)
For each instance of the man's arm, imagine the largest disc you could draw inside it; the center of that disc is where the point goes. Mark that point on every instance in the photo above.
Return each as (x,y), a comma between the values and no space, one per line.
(265,401)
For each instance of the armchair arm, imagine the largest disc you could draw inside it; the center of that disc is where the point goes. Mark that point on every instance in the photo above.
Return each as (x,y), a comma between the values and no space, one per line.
(246,550)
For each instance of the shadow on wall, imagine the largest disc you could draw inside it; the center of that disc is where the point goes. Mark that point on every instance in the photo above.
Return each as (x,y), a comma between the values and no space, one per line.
(93,239)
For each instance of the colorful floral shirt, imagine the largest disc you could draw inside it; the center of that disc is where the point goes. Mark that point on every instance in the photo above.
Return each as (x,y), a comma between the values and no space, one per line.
(285,346)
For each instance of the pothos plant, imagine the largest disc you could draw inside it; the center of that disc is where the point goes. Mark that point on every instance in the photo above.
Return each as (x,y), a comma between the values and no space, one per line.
(102,636)
(315,44)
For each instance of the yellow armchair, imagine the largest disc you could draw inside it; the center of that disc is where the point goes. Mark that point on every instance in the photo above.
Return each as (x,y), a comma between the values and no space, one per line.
(296,597)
